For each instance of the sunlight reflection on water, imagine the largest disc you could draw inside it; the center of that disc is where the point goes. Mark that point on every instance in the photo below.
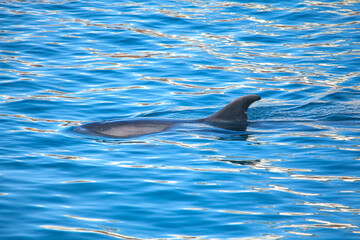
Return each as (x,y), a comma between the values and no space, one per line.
(292,174)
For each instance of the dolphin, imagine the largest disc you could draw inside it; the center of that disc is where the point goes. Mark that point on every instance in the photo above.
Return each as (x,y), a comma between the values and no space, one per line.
(233,117)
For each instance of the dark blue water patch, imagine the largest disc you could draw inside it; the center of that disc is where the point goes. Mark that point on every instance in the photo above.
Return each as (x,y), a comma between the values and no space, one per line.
(18,19)
(345,95)
(131,41)
(67,7)
(350,82)
(15,46)
(29,106)
(7,79)
(45,50)
(352,64)
(20,86)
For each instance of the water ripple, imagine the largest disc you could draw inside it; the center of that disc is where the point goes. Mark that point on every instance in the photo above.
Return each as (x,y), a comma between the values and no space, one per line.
(292,174)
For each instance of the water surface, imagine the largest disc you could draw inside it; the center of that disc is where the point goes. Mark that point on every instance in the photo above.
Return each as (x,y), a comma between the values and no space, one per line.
(293,174)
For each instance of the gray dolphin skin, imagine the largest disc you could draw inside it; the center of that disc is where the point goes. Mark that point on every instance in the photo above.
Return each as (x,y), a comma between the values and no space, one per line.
(233,117)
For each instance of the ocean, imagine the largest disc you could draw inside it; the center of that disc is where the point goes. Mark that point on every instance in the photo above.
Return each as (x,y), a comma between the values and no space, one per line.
(294,173)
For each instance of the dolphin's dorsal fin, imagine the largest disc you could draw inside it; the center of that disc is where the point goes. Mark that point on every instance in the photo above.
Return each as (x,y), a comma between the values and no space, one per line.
(236,111)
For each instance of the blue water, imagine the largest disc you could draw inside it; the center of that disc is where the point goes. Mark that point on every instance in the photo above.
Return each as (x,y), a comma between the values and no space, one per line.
(293,174)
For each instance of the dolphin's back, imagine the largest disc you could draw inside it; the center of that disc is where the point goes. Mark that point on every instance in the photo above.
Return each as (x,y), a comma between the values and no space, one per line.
(124,129)
(233,116)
